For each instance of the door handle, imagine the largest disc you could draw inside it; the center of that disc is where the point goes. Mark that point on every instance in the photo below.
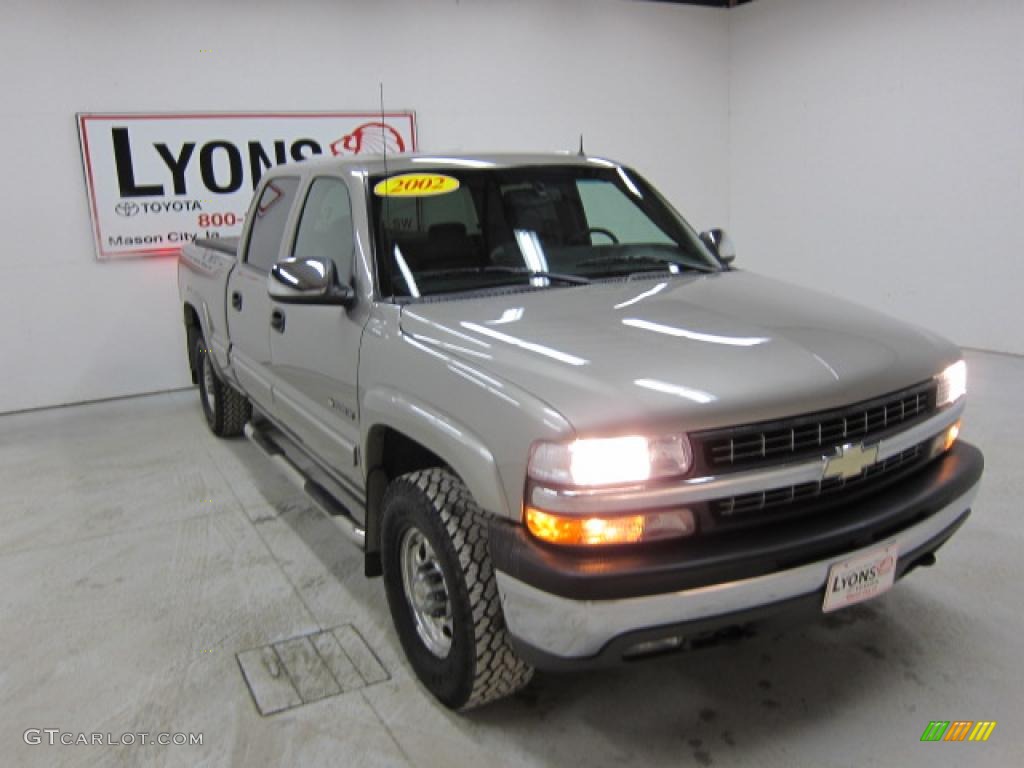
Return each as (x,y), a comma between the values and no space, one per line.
(277,320)
(236,300)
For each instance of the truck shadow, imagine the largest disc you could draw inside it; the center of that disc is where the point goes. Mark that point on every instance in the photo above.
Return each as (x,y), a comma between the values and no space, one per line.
(339,559)
(728,702)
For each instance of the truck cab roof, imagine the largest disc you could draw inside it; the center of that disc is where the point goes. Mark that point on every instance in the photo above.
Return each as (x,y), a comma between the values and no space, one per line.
(405,162)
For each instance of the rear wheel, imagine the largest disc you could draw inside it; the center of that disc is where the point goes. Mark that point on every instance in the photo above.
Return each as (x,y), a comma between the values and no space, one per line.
(442,592)
(226,409)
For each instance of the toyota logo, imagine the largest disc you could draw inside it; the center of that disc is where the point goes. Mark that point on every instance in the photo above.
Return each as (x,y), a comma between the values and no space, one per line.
(127,209)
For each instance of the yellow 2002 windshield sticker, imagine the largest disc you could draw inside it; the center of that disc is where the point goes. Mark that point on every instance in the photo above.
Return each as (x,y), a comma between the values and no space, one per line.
(416,185)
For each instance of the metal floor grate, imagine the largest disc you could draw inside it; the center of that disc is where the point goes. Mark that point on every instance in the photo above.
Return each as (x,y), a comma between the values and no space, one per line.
(309,668)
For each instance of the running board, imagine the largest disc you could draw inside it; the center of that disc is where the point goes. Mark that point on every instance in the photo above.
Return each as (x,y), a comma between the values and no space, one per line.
(317,494)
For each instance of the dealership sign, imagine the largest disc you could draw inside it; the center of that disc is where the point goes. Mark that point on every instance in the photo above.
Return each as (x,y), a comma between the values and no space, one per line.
(157,181)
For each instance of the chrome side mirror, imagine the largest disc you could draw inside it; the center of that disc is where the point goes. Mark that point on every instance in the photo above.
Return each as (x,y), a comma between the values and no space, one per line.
(720,243)
(307,281)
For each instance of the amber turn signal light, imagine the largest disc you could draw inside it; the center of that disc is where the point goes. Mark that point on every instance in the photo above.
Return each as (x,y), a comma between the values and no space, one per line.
(605,531)
(951,435)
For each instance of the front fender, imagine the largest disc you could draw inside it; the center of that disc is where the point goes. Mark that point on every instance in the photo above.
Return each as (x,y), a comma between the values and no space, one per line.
(442,434)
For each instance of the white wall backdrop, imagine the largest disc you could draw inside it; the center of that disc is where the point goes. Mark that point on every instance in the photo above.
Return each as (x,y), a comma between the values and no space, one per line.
(877,153)
(644,82)
(872,149)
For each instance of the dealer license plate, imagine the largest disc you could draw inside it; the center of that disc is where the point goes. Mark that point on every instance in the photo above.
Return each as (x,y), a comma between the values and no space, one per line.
(861,578)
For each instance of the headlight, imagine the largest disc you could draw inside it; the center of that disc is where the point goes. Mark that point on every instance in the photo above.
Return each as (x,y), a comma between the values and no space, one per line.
(952,384)
(610,460)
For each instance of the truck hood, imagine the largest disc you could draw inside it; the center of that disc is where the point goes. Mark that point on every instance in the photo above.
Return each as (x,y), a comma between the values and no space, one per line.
(681,352)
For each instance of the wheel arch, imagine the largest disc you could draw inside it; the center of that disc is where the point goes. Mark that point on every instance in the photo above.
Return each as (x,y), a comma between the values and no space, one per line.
(406,436)
(193,332)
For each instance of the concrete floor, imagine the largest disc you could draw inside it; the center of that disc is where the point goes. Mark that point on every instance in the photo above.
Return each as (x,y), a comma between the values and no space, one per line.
(139,554)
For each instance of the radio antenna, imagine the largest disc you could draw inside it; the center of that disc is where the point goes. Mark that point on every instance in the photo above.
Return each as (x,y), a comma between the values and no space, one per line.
(387,198)
(383,135)
(581,152)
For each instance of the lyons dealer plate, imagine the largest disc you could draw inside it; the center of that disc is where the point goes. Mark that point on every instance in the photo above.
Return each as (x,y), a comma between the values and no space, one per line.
(861,578)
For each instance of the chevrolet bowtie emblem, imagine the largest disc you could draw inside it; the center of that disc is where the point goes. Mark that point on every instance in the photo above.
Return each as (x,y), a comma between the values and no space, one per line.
(850,460)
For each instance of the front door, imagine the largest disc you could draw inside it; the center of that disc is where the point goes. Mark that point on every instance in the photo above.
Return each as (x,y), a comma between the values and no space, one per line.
(315,350)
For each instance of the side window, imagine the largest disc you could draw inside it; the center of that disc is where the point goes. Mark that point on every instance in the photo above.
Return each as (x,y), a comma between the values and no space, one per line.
(325,229)
(269,219)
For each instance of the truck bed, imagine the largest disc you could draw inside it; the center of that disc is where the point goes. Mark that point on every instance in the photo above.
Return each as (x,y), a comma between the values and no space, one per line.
(228,245)
(203,269)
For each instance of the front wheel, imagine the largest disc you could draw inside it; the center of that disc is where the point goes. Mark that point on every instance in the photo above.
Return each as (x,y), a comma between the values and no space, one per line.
(442,592)
(226,409)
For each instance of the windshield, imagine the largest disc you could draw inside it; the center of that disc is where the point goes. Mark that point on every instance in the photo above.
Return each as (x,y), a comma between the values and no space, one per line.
(451,230)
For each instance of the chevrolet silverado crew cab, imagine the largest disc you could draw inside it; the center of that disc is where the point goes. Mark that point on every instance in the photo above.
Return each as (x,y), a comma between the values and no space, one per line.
(562,426)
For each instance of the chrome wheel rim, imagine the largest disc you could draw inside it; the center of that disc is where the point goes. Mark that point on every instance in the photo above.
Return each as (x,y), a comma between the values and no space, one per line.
(426,592)
(208,385)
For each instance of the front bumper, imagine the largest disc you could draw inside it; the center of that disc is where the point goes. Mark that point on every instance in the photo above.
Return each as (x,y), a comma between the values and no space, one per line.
(566,608)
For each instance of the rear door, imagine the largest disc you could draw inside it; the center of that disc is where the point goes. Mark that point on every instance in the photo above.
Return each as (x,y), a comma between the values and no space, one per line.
(249,307)
(315,352)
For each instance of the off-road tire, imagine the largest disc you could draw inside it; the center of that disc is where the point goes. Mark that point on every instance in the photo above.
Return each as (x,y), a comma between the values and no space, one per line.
(229,410)
(481,665)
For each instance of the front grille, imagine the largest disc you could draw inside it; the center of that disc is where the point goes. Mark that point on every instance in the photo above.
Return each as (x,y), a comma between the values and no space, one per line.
(814,434)
(811,496)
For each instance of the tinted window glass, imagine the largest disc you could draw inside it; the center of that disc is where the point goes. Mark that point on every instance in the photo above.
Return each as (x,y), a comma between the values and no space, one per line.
(269,219)
(416,216)
(611,213)
(494,227)
(325,229)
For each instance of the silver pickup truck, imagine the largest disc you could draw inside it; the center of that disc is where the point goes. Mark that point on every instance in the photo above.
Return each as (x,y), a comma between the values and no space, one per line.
(562,426)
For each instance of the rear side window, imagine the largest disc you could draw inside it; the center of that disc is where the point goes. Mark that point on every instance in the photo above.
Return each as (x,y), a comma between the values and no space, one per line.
(269,219)
(325,229)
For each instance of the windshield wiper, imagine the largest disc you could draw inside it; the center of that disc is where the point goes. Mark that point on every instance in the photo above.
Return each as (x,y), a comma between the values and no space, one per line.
(666,263)
(561,277)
